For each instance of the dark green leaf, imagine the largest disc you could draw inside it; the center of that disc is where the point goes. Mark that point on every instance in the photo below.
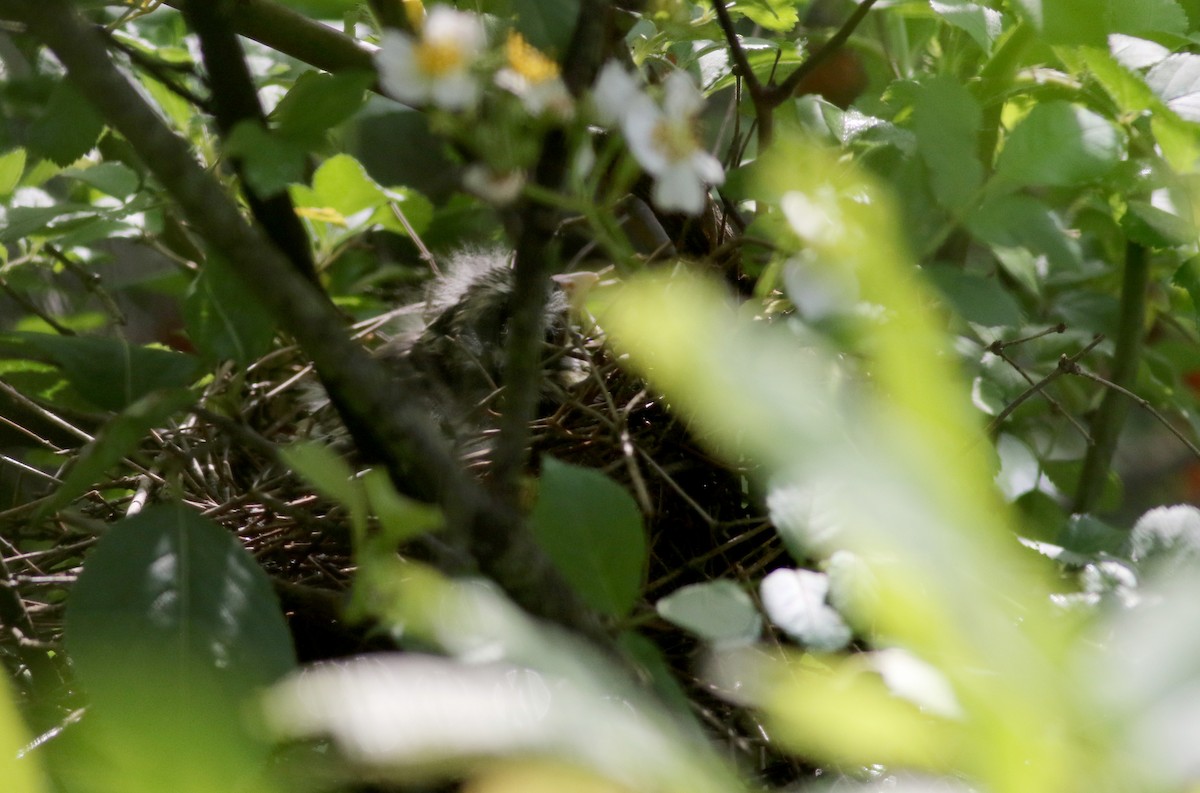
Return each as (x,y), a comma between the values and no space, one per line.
(170,628)
(546,24)
(269,162)
(223,319)
(168,586)
(592,529)
(1087,536)
(1188,277)
(1019,221)
(110,373)
(318,102)
(116,439)
(947,120)
(1091,21)
(1060,145)
(67,129)
(975,298)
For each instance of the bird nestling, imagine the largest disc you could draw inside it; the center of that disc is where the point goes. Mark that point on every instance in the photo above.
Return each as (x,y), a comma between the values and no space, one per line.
(454,363)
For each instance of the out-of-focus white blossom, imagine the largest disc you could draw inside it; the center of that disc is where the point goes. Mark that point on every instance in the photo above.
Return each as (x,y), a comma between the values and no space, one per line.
(500,189)
(662,137)
(437,67)
(612,93)
(535,79)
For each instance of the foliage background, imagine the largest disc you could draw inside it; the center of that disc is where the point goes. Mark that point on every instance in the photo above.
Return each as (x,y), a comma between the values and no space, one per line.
(938,320)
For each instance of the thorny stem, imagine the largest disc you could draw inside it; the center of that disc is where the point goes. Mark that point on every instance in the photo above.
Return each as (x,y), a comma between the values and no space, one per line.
(1041,384)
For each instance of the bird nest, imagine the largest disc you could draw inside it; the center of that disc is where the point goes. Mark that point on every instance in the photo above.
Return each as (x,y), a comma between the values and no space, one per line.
(221,459)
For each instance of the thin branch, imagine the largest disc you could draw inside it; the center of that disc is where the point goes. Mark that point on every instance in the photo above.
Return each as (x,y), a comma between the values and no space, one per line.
(778,94)
(1079,371)
(1041,384)
(759,95)
(296,35)
(536,258)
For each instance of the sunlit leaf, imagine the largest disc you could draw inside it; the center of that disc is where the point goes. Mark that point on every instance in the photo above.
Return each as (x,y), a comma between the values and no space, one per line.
(12,165)
(20,774)
(717,611)
(1060,144)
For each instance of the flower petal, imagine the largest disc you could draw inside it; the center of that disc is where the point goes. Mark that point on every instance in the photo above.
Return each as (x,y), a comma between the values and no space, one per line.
(678,189)
(613,93)
(681,98)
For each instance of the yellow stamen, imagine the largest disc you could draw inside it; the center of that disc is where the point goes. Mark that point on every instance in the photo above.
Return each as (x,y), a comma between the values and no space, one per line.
(439,58)
(676,139)
(527,61)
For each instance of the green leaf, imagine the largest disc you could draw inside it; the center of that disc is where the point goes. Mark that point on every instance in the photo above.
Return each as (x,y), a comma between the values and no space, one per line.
(112,178)
(223,318)
(1155,227)
(947,120)
(12,165)
(170,586)
(23,222)
(1023,222)
(546,24)
(20,774)
(717,611)
(326,471)
(116,439)
(1176,80)
(780,15)
(270,163)
(1188,277)
(1091,21)
(400,517)
(171,627)
(984,25)
(1060,145)
(592,530)
(110,373)
(976,299)
(1066,21)
(318,102)
(68,127)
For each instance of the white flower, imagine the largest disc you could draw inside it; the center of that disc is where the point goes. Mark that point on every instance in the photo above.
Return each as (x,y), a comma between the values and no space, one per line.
(535,79)
(500,189)
(437,67)
(614,90)
(663,139)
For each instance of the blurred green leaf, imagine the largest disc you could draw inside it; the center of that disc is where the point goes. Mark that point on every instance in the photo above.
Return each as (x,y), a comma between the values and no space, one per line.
(975,298)
(170,627)
(68,127)
(778,15)
(1090,21)
(981,23)
(116,439)
(20,774)
(12,165)
(270,162)
(546,24)
(317,102)
(222,317)
(110,373)
(717,611)
(113,178)
(593,531)
(1060,145)
(947,120)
